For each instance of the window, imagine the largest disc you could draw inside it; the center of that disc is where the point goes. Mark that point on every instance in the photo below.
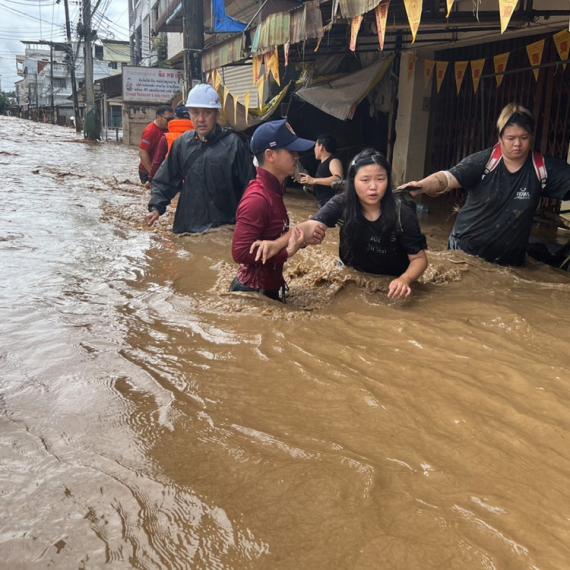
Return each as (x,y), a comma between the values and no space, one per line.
(113,64)
(98,52)
(59,83)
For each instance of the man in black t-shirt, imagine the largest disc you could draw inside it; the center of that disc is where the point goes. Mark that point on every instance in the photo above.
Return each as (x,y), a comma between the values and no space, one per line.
(502,194)
(329,170)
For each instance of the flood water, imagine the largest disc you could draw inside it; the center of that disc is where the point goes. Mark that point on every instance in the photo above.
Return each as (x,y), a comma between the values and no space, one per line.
(150,420)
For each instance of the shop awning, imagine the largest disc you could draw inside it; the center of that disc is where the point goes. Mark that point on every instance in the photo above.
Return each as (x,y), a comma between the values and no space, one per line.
(340,97)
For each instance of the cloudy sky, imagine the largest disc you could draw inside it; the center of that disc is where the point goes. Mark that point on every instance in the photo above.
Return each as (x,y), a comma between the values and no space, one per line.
(45,20)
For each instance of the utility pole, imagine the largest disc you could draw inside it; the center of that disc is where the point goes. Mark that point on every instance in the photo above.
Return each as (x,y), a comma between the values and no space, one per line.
(89,92)
(71,64)
(51,78)
(193,41)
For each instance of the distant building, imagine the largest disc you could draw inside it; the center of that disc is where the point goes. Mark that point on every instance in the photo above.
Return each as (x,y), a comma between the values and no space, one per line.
(35,90)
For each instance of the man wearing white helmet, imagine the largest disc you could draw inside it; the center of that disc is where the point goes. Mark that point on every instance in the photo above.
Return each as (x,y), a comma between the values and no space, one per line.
(210,166)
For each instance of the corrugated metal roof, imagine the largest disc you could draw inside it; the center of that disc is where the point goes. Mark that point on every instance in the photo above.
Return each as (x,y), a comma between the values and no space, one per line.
(353,8)
(223,53)
(294,26)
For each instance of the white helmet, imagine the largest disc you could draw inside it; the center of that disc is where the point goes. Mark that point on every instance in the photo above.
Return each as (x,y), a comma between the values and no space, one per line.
(203,96)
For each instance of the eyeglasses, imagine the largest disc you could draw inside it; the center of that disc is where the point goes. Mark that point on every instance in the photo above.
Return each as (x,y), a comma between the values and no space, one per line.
(168,119)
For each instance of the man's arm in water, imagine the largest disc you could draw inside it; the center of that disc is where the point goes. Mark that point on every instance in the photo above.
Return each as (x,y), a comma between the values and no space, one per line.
(313,233)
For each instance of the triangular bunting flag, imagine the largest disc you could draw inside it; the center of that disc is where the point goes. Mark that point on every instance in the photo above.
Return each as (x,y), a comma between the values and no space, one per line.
(535,55)
(260,84)
(412,59)
(562,41)
(449,6)
(286,48)
(381,20)
(428,71)
(316,49)
(414,11)
(476,72)
(501,65)
(226,93)
(441,67)
(236,97)
(460,69)
(354,28)
(257,64)
(246,100)
(217,79)
(506,9)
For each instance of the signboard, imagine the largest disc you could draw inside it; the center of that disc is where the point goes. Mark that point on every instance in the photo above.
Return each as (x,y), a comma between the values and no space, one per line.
(151,84)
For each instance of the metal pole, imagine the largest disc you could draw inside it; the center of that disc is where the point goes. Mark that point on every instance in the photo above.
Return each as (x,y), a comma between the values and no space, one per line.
(71,65)
(51,78)
(89,93)
(193,41)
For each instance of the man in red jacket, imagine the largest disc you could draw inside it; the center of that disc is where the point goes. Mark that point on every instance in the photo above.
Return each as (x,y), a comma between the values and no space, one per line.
(176,128)
(262,214)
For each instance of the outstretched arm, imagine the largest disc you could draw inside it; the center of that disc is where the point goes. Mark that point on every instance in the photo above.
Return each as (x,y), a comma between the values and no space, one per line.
(306,233)
(400,287)
(336,174)
(433,185)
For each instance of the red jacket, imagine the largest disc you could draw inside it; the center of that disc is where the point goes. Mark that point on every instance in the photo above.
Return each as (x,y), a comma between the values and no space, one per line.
(261,215)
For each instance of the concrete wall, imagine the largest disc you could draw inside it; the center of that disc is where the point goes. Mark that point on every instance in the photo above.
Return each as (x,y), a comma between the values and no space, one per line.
(136,118)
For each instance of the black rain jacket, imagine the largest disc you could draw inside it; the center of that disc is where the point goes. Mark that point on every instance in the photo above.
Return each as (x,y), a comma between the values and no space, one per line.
(211,177)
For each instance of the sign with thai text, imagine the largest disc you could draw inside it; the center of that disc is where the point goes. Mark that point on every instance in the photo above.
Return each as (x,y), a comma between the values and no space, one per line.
(151,84)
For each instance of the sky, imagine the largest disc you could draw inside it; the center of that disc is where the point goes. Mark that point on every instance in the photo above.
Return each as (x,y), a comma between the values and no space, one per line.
(34,20)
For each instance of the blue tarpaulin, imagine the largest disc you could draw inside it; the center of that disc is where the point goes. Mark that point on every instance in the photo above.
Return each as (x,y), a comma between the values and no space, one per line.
(222,22)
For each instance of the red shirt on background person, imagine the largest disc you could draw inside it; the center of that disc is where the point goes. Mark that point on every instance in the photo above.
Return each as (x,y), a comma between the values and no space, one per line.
(262,214)
(150,139)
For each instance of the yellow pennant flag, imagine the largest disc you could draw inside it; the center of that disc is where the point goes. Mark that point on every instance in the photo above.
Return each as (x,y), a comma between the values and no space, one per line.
(260,84)
(412,59)
(428,71)
(414,11)
(257,64)
(441,68)
(354,28)
(449,6)
(501,65)
(476,72)
(535,55)
(381,20)
(246,99)
(272,65)
(460,69)
(506,9)
(226,93)
(217,79)
(275,66)
(236,97)
(562,41)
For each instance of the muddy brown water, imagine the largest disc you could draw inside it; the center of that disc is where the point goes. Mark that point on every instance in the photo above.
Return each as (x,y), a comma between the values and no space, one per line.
(151,420)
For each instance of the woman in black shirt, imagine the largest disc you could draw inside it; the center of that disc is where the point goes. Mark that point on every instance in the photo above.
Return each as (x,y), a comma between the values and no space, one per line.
(380,235)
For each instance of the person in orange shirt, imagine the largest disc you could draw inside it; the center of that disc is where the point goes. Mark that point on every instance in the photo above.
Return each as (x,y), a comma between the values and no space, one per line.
(176,128)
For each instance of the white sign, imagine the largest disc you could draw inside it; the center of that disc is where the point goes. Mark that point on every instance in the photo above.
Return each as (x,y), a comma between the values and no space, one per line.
(151,84)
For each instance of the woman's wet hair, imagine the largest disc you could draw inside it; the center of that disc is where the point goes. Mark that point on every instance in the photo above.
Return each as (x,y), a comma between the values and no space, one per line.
(353,215)
(515,115)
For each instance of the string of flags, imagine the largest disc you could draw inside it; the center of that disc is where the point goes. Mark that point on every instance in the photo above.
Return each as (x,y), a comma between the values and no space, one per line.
(534,51)
(414,13)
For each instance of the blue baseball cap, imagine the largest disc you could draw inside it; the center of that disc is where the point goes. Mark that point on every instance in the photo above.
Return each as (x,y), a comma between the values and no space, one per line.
(182,112)
(278,134)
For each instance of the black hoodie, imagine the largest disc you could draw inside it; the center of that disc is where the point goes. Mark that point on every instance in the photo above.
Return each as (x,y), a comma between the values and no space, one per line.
(211,177)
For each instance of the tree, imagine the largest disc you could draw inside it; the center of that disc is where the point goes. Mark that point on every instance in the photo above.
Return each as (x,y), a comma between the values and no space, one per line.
(3,104)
